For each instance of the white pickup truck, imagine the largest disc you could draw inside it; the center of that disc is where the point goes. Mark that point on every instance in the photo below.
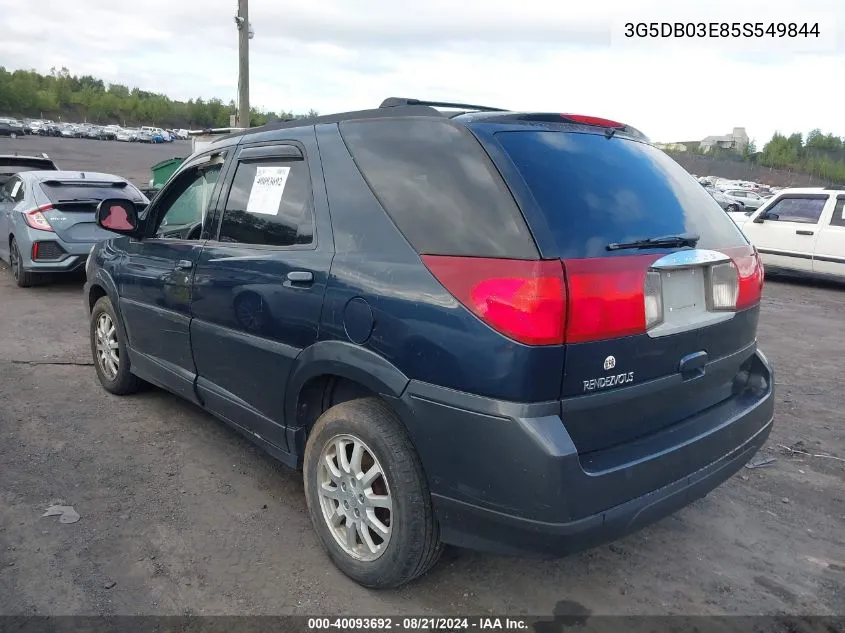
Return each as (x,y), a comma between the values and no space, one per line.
(800,231)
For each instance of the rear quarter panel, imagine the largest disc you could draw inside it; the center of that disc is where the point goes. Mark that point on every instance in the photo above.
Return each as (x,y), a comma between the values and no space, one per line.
(418,326)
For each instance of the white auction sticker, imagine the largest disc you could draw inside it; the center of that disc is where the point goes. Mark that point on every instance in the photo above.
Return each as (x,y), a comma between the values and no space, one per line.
(267,190)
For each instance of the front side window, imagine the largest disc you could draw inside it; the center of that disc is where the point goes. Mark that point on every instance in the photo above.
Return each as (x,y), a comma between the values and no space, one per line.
(799,209)
(185,205)
(270,204)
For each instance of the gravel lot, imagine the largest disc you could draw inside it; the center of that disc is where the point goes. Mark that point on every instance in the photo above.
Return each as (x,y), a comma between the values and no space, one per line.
(180,515)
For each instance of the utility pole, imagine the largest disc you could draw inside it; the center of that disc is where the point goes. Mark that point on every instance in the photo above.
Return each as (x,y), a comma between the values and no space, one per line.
(244,35)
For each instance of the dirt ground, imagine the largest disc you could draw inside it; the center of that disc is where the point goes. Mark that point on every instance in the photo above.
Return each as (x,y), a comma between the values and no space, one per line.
(179,515)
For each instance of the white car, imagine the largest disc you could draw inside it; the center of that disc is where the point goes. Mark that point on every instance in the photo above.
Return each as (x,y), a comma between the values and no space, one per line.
(799,230)
(749,199)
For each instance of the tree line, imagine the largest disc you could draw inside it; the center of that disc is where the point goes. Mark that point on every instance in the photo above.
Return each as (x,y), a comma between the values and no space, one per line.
(822,155)
(62,96)
(819,155)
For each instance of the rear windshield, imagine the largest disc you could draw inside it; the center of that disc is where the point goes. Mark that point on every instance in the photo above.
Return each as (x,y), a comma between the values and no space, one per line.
(81,192)
(594,191)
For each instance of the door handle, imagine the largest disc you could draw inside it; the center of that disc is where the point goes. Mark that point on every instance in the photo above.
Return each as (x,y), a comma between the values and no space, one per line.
(184,264)
(800,232)
(300,277)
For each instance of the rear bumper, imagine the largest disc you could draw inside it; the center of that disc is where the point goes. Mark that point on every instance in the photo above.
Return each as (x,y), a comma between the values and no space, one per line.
(68,264)
(475,527)
(71,260)
(509,480)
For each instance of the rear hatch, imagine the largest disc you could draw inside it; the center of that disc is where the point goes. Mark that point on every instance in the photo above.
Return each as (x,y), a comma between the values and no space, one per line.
(661,288)
(71,207)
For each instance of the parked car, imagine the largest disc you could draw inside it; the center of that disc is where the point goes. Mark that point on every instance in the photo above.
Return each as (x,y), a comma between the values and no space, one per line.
(800,231)
(109,132)
(10,164)
(12,130)
(144,137)
(749,199)
(47,219)
(51,129)
(126,135)
(517,332)
(731,205)
(35,126)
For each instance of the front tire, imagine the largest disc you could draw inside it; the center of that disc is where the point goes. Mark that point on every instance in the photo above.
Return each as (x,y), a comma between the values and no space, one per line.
(108,347)
(732,208)
(368,496)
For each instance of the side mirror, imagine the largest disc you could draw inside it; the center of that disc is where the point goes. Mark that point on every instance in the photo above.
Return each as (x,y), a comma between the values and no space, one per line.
(118,216)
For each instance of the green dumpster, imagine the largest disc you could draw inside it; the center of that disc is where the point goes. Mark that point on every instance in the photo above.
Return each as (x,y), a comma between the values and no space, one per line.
(164,170)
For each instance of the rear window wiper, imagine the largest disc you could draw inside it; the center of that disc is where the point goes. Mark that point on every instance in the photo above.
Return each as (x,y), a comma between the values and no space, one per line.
(665,241)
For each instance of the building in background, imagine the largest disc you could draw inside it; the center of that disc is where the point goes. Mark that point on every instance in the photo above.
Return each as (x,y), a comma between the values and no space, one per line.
(737,141)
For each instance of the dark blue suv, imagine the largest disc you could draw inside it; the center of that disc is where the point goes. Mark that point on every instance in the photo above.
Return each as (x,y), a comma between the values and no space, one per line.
(524,333)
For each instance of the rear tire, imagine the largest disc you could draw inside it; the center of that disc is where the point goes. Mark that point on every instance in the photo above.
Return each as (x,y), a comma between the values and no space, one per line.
(109,350)
(397,498)
(23,278)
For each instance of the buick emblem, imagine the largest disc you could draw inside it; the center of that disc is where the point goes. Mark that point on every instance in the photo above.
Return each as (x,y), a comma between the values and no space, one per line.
(609,363)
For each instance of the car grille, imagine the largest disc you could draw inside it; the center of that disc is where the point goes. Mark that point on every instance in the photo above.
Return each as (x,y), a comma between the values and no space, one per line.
(47,251)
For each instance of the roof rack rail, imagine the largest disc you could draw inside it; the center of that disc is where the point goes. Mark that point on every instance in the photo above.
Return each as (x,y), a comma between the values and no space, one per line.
(392,102)
(215,131)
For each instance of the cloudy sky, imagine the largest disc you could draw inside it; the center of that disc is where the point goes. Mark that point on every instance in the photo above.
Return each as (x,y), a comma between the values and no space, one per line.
(334,55)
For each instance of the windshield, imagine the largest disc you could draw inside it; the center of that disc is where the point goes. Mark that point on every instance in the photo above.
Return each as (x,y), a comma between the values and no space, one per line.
(595,191)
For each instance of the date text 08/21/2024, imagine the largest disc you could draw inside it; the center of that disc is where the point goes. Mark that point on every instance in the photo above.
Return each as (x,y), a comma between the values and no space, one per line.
(436,623)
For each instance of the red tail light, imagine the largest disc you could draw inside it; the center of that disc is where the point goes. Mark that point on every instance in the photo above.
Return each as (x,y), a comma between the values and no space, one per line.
(524,300)
(749,268)
(35,250)
(35,219)
(551,302)
(606,297)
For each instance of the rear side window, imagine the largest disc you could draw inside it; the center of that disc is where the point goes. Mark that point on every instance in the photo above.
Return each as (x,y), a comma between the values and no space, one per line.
(440,188)
(595,191)
(270,204)
(838,218)
(801,209)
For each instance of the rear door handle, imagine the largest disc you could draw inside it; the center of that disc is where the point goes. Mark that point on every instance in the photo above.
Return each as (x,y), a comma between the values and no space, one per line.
(301,277)
(800,232)
(184,264)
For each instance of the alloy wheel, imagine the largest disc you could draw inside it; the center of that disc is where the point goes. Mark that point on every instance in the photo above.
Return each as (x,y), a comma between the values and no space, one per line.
(108,352)
(355,497)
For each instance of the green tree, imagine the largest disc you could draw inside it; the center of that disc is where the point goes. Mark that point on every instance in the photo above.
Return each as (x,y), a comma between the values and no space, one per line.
(61,95)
